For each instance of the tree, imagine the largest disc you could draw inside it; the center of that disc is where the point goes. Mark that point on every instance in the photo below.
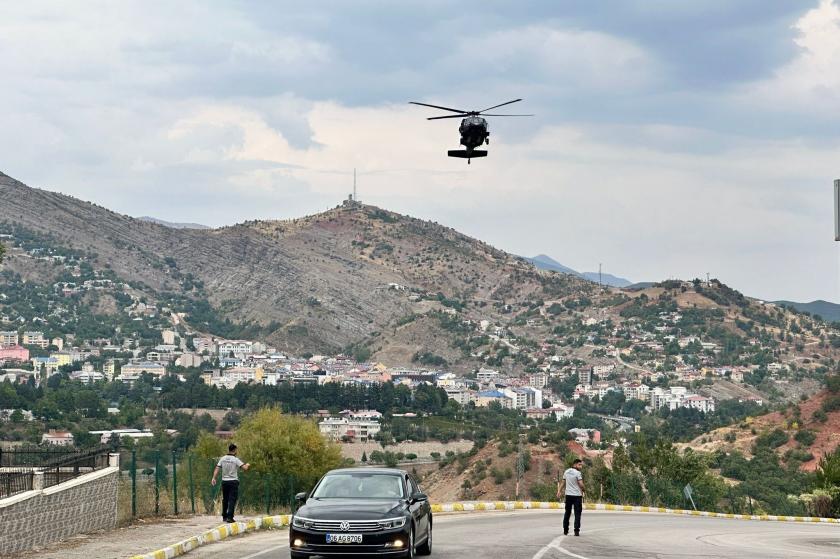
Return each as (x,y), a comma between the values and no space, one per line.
(2,251)
(284,445)
(364,457)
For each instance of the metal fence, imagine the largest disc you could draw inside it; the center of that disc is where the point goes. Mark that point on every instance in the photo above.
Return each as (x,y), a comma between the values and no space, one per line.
(12,482)
(154,483)
(19,467)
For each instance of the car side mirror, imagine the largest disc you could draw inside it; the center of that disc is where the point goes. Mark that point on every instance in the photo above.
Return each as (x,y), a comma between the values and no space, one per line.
(301,497)
(419,497)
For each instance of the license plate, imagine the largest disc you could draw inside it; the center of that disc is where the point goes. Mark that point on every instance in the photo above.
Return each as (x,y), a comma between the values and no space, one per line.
(344,538)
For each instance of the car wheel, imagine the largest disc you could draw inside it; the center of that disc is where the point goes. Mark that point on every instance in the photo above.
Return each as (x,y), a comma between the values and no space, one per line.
(409,554)
(426,548)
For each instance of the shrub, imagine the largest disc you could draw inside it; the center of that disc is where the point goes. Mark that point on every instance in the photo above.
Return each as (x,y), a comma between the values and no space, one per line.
(805,437)
(772,439)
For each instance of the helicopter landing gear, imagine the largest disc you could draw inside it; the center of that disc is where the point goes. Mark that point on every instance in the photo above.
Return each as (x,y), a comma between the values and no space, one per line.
(468,161)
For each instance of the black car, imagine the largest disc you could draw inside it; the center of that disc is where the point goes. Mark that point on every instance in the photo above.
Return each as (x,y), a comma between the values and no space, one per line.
(363,512)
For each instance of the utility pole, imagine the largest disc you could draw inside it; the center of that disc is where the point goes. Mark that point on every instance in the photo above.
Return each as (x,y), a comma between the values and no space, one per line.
(355,199)
(707,278)
(600,283)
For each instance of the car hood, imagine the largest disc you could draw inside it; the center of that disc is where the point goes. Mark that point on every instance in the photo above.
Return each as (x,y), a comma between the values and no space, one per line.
(349,509)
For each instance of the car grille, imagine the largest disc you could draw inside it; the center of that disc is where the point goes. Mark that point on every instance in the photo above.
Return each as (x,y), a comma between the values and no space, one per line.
(335,525)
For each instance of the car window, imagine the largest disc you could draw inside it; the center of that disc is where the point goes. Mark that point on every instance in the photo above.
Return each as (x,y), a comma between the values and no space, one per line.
(412,486)
(360,486)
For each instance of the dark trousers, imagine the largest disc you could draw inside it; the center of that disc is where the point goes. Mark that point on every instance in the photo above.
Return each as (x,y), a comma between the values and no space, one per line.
(230,493)
(577,503)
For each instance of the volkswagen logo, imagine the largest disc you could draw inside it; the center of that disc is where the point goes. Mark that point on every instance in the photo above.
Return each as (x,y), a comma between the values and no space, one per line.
(344,526)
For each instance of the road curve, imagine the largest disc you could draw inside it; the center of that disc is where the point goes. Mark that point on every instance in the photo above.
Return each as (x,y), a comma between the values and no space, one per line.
(538,535)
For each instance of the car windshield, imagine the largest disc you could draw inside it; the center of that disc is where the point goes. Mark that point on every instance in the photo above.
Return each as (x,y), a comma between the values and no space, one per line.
(360,486)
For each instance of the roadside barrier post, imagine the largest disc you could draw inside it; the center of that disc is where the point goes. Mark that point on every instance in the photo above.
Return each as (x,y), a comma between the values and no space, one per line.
(192,487)
(133,483)
(157,483)
(175,481)
(266,495)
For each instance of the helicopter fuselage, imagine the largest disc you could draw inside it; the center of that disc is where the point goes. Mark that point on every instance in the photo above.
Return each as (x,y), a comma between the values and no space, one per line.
(474,132)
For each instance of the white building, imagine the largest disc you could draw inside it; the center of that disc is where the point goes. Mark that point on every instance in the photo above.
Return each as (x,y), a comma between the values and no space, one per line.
(35,338)
(636,390)
(487,375)
(679,397)
(602,370)
(538,380)
(9,338)
(701,403)
(105,436)
(238,348)
(337,428)
(129,370)
(58,438)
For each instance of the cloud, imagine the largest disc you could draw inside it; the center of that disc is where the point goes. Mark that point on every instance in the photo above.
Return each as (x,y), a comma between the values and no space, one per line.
(811,81)
(670,139)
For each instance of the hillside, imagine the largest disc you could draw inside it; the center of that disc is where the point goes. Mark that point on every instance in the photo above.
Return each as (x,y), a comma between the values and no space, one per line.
(785,429)
(384,287)
(319,283)
(826,310)
(491,475)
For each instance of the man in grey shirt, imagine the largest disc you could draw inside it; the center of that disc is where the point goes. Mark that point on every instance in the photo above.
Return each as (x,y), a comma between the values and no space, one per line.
(229,465)
(573,480)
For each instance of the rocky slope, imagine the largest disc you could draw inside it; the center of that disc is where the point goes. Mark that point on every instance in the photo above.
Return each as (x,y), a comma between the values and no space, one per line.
(319,283)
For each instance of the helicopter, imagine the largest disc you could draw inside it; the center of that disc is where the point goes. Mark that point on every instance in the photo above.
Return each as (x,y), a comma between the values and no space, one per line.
(474,131)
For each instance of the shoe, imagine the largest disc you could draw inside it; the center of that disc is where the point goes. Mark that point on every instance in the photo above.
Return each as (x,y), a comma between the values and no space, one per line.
(231,520)
(577,533)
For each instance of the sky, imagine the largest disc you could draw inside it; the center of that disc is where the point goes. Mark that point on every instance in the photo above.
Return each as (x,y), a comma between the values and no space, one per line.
(671,139)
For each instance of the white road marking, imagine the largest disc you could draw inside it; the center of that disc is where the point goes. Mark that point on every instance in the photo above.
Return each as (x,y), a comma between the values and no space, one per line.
(554,544)
(264,551)
(567,552)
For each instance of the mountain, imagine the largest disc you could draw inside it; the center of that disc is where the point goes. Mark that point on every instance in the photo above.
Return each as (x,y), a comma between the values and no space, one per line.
(354,275)
(828,311)
(606,279)
(544,262)
(356,279)
(173,225)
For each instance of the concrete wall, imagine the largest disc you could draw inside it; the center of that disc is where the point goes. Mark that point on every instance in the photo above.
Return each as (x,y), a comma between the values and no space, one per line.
(36,518)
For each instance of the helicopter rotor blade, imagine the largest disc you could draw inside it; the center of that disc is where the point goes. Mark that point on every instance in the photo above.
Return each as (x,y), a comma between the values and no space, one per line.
(502,105)
(447,116)
(439,107)
(491,114)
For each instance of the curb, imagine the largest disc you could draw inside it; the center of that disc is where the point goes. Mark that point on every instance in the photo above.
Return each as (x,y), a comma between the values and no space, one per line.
(554,505)
(217,534)
(282,521)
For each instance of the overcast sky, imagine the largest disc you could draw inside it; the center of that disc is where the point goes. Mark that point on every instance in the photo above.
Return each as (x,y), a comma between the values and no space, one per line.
(673,138)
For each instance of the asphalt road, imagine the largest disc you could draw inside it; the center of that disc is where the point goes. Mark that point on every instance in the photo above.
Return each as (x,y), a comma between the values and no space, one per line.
(538,535)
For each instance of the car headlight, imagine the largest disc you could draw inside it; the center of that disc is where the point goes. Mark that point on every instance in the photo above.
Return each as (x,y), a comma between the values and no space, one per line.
(392,523)
(300,522)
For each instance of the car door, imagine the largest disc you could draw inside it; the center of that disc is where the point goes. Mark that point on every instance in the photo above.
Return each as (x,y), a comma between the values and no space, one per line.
(420,510)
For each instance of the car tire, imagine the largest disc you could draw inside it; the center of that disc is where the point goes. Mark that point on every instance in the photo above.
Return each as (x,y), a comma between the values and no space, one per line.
(426,548)
(410,552)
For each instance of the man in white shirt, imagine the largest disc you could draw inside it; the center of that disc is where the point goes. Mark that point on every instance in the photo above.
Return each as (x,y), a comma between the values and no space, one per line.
(574,492)
(229,465)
